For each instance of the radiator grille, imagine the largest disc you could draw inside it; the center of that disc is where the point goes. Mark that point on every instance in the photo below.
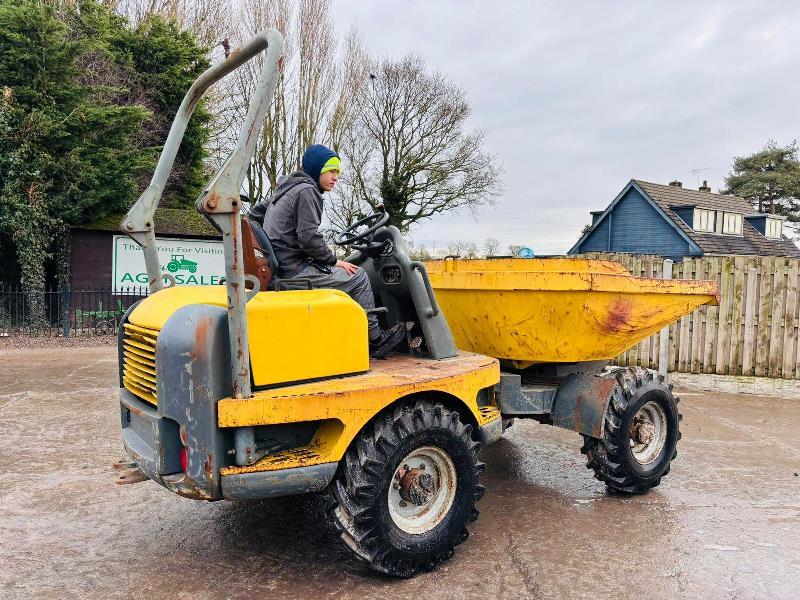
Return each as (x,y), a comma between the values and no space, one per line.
(139,362)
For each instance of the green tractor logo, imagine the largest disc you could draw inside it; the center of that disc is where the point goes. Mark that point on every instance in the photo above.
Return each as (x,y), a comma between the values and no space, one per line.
(179,263)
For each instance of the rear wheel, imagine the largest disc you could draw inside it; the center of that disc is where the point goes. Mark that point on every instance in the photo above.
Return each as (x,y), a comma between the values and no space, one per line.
(641,432)
(407,488)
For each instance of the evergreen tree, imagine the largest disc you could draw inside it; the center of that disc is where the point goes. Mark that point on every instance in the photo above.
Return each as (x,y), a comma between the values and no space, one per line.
(770,180)
(165,61)
(85,106)
(64,153)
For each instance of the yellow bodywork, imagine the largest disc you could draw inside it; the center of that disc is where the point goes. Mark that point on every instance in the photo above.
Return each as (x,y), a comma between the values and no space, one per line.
(318,335)
(343,406)
(294,335)
(557,309)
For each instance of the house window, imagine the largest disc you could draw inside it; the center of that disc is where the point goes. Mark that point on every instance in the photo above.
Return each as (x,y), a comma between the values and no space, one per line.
(732,223)
(703,220)
(774,228)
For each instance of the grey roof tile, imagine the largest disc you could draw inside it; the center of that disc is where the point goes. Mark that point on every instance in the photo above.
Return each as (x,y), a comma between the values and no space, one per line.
(750,242)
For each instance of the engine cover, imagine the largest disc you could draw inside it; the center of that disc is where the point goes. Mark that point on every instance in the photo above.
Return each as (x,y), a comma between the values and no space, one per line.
(294,335)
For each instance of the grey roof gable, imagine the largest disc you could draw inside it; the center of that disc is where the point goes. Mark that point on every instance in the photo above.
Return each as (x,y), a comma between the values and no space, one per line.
(668,217)
(750,242)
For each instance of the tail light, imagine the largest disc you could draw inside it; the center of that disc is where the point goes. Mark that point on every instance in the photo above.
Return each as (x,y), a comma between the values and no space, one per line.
(184,458)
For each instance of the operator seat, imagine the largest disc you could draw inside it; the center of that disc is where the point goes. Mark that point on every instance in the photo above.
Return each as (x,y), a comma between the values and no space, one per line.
(258,254)
(260,259)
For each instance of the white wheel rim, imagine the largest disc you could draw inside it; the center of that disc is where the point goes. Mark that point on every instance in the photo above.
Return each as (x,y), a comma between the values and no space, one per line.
(648,432)
(440,472)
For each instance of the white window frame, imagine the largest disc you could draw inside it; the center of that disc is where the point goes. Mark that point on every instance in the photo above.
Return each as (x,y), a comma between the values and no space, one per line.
(773,228)
(732,223)
(703,220)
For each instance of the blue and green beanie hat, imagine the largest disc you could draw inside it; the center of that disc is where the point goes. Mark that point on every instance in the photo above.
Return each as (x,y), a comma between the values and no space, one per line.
(319,159)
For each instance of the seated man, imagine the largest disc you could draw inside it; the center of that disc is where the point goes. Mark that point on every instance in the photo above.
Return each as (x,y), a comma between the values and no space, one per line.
(291,220)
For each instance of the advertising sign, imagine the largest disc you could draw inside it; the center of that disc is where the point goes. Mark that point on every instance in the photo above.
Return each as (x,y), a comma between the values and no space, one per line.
(190,262)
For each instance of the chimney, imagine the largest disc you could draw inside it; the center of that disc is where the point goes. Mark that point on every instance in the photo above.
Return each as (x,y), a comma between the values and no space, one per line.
(704,187)
(676,183)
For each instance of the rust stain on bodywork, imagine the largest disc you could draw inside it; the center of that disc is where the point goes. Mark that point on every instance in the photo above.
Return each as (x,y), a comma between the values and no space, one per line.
(617,319)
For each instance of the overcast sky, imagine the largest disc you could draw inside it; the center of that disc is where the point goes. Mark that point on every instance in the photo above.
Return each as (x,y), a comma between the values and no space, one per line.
(576,98)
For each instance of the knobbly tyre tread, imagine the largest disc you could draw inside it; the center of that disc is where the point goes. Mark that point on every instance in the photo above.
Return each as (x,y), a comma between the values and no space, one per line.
(358,490)
(608,457)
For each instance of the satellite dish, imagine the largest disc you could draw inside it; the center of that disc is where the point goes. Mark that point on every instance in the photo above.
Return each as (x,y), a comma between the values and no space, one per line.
(525,252)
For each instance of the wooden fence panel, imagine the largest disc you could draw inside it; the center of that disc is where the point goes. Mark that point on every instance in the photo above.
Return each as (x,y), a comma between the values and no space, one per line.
(697,323)
(775,364)
(644,345)
(755,330)
(735,360)
(764,313)
(791,352)
(712,319)
(724,325)
(682,330)
(748,345)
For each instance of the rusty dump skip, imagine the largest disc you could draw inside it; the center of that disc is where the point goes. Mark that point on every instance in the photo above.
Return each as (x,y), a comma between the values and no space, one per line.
(558,309)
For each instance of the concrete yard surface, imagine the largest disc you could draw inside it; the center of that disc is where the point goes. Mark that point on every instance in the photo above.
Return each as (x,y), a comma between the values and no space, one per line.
(724,524)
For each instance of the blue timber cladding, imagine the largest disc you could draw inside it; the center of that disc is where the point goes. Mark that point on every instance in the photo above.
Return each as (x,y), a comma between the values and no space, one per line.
(687,214)
(598,238)
(637,227)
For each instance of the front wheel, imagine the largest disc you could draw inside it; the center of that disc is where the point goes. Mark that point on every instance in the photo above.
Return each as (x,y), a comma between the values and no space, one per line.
(407,488)
(641,432)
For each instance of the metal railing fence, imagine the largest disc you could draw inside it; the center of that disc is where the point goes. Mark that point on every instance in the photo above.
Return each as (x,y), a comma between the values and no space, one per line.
(64,312)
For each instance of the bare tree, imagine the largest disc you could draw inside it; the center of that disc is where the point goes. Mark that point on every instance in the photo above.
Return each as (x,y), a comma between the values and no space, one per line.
(317,75)
(399,128)
(418,252)
(455,248)
(490,246)
(409,148)
(314,99)
(210,20)
(353,70)
(462,249)
(276,149)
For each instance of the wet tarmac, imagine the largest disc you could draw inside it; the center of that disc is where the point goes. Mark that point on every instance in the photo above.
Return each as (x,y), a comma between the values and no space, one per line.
(724,524)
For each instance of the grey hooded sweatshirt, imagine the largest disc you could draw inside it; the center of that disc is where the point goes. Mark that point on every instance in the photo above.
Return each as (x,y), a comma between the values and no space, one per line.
(292,216)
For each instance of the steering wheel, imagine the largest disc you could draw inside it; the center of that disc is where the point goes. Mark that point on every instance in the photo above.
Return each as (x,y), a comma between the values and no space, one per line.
(350,236)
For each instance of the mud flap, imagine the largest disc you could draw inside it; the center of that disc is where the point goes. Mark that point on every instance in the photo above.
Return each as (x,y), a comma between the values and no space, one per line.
(581,401)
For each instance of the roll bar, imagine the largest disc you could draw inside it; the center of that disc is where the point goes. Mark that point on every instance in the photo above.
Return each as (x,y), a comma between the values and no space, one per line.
(219,201)
(220,204)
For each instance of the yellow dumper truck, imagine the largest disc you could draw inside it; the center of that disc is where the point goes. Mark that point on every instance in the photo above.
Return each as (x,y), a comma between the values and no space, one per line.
(260,388)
